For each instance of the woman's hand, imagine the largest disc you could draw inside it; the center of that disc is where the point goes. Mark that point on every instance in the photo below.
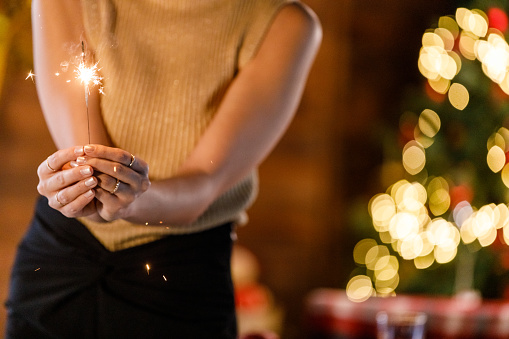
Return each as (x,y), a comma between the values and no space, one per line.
(69,190)
(121,179)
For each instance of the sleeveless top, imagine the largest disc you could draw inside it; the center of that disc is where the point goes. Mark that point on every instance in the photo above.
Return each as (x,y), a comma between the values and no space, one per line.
(166,66)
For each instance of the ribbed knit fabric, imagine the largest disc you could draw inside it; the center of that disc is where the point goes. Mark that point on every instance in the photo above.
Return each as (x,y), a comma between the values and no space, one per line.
(166,66)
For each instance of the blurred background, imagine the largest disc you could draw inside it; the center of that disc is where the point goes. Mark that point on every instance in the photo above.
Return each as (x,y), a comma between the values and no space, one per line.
(359,114)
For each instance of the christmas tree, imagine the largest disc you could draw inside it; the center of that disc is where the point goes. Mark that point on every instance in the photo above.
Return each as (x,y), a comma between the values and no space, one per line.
(442,226)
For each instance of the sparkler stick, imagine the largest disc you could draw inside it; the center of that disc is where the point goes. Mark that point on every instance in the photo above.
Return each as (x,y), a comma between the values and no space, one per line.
(86,90)
(88,77)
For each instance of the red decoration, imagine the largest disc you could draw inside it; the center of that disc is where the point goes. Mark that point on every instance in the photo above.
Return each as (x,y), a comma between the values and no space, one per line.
(251,297)
(498,19)
(461,193)
(433,95)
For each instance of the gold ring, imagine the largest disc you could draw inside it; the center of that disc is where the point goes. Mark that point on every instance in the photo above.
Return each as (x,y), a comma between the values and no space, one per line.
(116,187)
(133,158)
(56,196)
(49,167)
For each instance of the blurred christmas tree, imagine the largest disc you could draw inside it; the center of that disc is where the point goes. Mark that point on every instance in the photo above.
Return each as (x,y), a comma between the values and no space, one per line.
(442,226)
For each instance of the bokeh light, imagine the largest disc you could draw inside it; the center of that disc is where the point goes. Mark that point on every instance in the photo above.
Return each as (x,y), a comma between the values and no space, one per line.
(429,123)
(359,288)
(414,157)
(458,96)
(496,159)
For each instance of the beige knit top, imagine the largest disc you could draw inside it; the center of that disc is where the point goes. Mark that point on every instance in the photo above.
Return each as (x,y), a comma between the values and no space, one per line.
(166,66)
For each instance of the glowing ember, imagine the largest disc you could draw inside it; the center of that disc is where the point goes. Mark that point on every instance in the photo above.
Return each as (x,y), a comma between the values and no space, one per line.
(88,76)
(148,268)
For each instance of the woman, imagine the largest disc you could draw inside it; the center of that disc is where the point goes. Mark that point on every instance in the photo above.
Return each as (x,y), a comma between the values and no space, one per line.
(197,91)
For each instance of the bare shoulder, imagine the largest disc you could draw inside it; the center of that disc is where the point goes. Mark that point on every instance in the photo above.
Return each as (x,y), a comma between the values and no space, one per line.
(302,19)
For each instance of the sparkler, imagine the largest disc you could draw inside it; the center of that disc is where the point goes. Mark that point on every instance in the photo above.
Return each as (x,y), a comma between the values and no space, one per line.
(89,77)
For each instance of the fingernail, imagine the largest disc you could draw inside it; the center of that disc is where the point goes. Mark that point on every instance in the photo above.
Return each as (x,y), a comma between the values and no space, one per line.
(80,160)
(73,164)
(78,150)
(90,182)
(89,193)
(86,171)
(89,148)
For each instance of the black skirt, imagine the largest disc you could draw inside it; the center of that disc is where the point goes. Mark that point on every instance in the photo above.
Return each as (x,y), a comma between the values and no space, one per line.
(65,284)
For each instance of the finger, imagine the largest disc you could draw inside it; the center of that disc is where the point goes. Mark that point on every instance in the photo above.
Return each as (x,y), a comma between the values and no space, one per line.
(117,155)
(110,168)
(116,187)
(74,198)
(56,161)
(62,179)
(108,205)
(116,171)
(105,181)
(79,207)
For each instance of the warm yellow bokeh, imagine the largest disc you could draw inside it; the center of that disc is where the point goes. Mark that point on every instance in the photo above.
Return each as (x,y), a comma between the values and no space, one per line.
(359,288)
(414,157)
(429,123)
(458,96)
(496,159)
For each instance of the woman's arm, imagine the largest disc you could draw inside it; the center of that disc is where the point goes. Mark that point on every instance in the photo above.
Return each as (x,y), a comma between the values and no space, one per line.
(253,116)
(57,34)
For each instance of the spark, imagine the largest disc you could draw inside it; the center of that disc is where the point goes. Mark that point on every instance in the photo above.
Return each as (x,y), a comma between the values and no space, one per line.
(164,278)
(37,269)
(88,75)
(30,75)
(148,269)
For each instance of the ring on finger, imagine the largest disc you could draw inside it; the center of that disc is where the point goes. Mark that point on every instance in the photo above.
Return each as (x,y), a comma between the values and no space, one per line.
(117,185)
(133,158)
(58,200)
(48,165)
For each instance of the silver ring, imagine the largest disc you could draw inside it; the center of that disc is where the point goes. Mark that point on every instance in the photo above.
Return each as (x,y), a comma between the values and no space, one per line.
(133,158)
(49,167)
(116,187)
(56,196)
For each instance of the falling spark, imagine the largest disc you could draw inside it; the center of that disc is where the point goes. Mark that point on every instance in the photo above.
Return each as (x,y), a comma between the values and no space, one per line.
(164,278)
(88,77)
(30,75)
(37,269)
(148,269)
